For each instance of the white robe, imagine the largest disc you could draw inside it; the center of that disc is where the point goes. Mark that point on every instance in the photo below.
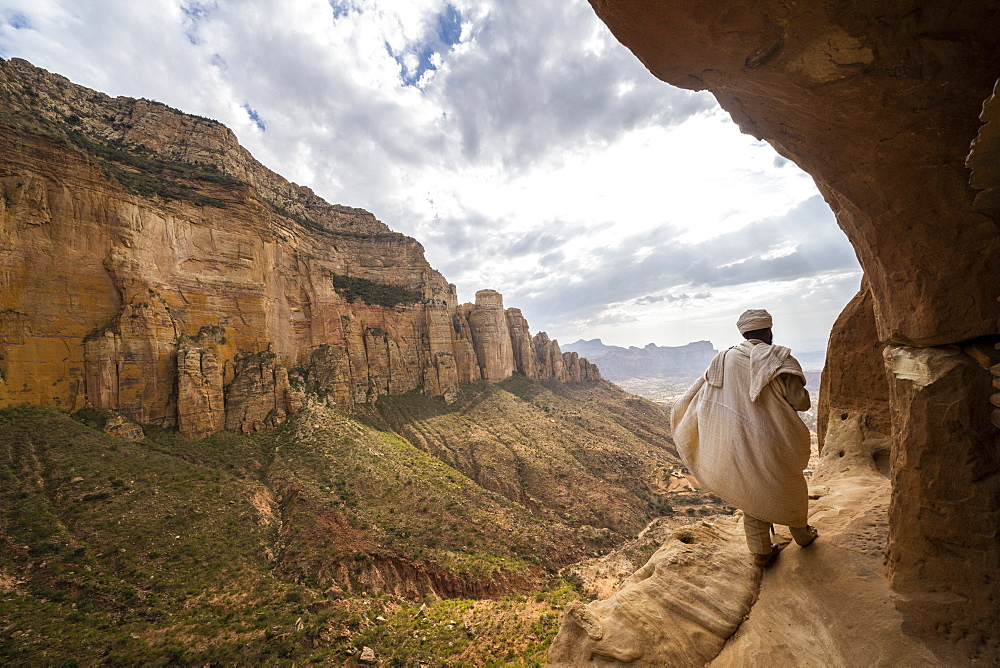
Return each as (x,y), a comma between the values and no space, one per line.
(741,439)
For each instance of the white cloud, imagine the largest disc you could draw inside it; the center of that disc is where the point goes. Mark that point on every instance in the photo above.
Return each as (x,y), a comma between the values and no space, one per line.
(517,140)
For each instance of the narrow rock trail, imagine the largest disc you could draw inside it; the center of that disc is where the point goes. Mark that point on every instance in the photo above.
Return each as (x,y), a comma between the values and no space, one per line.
(829,604)
(699,601)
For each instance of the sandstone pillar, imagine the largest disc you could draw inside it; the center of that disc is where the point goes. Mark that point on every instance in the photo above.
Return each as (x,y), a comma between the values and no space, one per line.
(377,357)
(328,375)
(854,387)
(590,371)
(551,365)
(466,363)
(441,371)
(524,355)
(260,395)
(491,336)
(128,365)
(574,372)
(200,404)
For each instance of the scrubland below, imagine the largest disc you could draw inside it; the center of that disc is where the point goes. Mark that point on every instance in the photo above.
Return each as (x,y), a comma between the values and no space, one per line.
(430,533)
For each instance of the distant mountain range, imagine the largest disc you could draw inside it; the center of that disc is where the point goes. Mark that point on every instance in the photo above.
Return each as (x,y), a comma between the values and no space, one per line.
(652,361)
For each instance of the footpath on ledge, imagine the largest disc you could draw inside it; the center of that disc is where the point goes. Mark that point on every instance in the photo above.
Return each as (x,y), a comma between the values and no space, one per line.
(699,601)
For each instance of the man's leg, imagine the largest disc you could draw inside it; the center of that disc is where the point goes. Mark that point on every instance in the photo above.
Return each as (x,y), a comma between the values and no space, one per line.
(803,535)
(758,534)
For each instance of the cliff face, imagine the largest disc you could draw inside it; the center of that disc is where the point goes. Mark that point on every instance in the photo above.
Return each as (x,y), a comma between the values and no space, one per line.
(150,266)
(879,102)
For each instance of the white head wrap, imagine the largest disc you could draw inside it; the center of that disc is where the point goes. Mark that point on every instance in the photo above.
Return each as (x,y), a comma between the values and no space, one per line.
(755,318)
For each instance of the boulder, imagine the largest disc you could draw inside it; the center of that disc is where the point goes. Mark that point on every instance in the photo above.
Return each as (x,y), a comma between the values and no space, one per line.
(119,427)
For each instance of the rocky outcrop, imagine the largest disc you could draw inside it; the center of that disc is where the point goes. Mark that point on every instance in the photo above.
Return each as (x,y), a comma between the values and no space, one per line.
(926,386)
(121,428)
(151,267)
(491,336)
(854,391)
(879,103)
(677,610)
(548,358)
(825,605)
(201,408)
(259,395)
(504,345)
(520,338)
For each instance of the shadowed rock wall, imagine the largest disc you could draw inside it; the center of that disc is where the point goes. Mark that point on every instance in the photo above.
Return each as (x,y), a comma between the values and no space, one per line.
(879,103)
(854,390)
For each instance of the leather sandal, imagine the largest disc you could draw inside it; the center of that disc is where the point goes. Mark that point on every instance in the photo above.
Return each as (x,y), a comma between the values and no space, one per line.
(813,535)
(765,560)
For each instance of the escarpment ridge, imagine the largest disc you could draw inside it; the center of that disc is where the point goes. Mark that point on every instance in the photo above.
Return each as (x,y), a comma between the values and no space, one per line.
(150,266)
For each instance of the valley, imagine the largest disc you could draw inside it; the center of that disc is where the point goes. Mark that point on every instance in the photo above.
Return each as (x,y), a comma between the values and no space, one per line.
(425,531)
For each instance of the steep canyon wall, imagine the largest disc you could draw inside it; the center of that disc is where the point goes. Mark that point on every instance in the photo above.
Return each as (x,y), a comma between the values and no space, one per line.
(879,102)
(149,265)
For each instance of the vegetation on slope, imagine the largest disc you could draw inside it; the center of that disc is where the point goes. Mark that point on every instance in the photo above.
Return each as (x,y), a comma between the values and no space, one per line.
(586,454)
(313,540)
(372,293)
(137,169)
(287,545)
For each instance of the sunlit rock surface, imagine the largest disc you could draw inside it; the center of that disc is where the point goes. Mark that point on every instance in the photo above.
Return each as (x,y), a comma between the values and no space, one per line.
(677,610)
(151,267)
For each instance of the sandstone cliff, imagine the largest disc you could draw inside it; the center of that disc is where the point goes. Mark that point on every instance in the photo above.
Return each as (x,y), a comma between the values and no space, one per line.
(150,266)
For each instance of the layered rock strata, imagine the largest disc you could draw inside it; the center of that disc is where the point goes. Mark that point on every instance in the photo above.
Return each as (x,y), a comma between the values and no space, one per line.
(879,102)
(151,267)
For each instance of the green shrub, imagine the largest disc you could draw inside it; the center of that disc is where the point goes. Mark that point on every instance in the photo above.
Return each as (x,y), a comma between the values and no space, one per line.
(372,293)
(92,417)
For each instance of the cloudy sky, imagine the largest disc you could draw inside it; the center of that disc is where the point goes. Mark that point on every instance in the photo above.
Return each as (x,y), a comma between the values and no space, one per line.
(516,139)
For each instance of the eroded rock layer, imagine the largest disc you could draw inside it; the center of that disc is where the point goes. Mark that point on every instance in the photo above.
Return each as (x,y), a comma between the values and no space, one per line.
(828,604)
(150,266)
(677,610)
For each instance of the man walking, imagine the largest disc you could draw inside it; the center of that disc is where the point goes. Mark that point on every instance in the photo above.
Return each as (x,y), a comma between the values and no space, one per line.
(738,432)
